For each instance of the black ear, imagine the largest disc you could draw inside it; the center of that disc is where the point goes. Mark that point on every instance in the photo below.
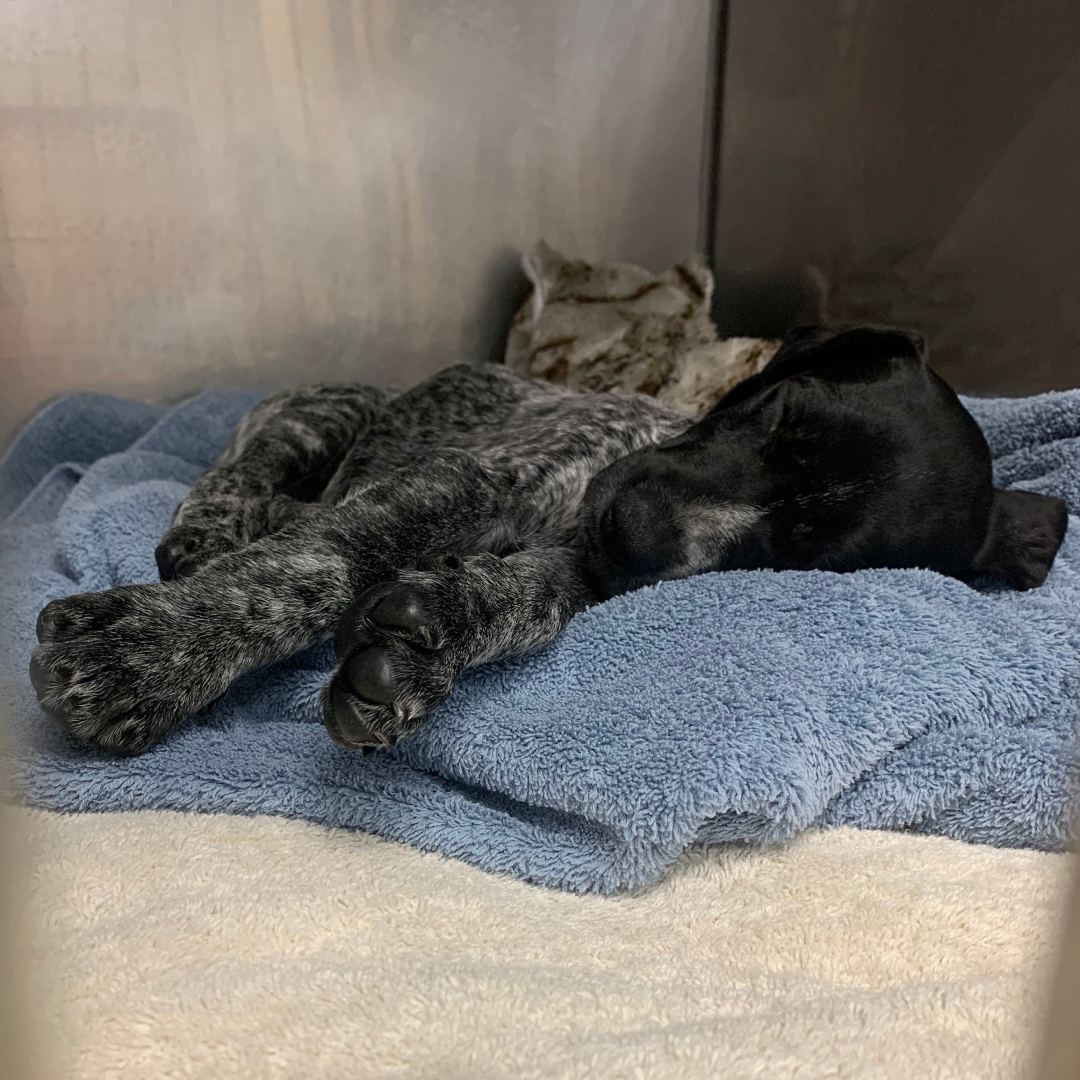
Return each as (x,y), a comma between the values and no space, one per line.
(1025,533)
(851,344)
(835,354)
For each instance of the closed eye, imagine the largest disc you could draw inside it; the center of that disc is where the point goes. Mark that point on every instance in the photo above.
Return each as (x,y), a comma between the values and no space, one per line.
(792,452)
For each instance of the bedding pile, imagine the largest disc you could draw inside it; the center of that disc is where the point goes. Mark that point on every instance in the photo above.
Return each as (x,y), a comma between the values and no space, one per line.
(743,706)
(280,949)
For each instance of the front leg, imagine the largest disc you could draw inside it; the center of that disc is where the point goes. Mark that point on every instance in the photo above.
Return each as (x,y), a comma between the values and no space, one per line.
(403,643)
(118,669)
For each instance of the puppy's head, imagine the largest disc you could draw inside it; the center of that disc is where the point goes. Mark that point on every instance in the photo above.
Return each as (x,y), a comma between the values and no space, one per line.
(846,452)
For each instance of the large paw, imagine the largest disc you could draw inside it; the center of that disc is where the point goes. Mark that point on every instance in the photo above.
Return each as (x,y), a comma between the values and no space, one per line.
(400,647)
(112,670)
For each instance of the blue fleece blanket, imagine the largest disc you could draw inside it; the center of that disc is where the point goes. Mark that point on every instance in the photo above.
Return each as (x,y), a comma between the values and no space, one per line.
(738,706)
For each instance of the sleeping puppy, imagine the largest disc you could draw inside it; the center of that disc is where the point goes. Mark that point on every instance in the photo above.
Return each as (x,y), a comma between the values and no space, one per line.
(846,452)
(468,519)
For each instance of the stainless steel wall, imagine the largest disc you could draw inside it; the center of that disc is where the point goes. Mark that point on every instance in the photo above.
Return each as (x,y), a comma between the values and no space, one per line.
(927,157)
(261,191)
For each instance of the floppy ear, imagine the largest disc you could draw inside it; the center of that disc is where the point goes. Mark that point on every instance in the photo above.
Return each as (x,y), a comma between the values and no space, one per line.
(850,344)
(1025,533)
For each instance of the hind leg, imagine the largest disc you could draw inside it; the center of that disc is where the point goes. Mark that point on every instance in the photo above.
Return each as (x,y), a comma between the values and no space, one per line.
(283,452)
(119,669)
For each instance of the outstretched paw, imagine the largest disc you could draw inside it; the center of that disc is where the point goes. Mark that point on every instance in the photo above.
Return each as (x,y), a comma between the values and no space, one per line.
(111,670)
(401,648)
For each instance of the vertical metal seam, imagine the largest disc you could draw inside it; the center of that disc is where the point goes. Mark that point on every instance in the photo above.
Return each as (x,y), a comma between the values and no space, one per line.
(709,201)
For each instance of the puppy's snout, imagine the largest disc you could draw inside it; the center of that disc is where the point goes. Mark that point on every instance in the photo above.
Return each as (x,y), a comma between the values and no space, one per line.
(637,529)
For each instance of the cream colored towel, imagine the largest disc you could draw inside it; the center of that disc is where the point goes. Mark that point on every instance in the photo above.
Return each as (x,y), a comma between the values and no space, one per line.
(220,947)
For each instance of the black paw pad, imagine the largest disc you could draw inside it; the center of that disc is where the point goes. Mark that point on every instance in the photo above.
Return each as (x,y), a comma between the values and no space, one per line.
(346,721)
(354,625)
(369,673)
(404,611)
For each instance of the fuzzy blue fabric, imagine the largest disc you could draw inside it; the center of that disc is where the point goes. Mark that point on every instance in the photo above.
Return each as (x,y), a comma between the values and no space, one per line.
(741,706)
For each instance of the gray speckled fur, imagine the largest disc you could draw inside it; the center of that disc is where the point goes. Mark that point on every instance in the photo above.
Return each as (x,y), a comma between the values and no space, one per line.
(475,461)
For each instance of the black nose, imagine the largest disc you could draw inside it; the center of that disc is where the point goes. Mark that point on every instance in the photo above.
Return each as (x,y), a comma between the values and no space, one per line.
(637,530)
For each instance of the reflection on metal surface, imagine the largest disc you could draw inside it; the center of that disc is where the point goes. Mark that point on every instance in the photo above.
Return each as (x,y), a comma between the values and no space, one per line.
(260,193)
(928,145)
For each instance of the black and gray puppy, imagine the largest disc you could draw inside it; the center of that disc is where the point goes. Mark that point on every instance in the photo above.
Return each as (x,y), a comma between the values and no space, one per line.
(469,518)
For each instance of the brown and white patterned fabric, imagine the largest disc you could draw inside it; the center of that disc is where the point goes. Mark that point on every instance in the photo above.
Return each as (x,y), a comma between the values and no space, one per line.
(615,326)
